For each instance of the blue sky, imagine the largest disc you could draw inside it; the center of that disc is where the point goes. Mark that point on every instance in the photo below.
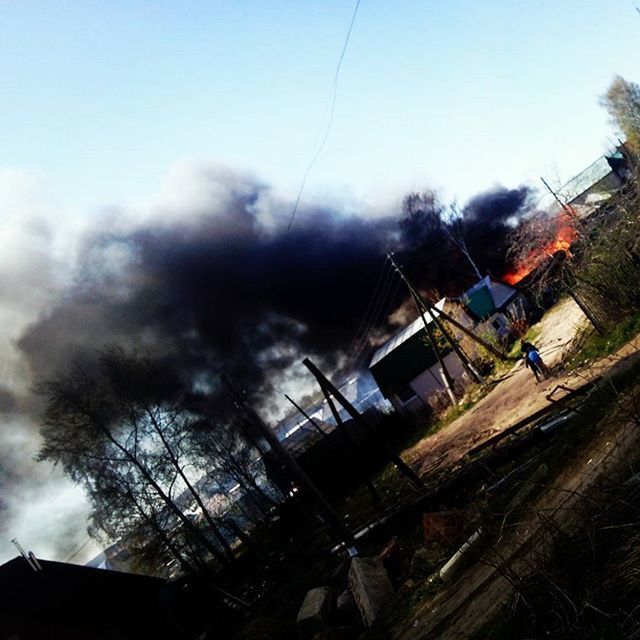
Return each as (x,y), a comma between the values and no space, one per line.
(100,98)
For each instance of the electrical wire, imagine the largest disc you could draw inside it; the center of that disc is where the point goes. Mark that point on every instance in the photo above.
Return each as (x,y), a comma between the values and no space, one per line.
(385,303)
(381,276)
(329,123)
(385,311)
(371,320)
(78,549)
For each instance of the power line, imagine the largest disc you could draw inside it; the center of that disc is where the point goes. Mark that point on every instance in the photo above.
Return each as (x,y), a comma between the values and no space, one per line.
(364,345)
(382,278)
(79,549)
(329,123)
(370,319)
(384,304)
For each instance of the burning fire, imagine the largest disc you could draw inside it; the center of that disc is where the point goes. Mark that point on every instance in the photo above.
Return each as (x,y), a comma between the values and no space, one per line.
(565,234)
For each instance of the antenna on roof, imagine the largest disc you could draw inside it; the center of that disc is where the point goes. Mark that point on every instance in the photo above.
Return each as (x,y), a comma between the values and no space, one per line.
(29,557)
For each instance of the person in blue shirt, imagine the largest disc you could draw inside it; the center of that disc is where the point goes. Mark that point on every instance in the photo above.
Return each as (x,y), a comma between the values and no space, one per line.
(533,360)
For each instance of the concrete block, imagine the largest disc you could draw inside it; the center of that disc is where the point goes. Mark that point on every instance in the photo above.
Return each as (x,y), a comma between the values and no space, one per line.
(314,612)
(370,586)
(346,609)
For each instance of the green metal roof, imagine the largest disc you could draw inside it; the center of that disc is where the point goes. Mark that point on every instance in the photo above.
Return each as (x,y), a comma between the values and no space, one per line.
(404,357)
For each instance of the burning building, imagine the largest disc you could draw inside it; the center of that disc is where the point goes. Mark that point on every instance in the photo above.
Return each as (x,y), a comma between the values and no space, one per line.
(554,229)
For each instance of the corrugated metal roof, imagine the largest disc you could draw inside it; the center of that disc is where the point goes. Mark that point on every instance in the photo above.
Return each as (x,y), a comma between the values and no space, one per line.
(501,293)
(405,334)
(580,183)
(586,179)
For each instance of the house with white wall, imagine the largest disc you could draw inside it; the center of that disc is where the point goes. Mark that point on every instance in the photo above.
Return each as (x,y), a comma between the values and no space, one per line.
(406,368)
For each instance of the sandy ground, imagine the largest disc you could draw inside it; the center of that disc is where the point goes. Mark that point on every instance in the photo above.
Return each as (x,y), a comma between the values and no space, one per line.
(516,396)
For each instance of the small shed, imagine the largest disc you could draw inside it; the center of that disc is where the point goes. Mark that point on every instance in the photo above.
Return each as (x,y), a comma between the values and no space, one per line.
(406,368)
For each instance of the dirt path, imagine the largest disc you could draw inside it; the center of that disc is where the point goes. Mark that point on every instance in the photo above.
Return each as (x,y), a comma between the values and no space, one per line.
(516,396)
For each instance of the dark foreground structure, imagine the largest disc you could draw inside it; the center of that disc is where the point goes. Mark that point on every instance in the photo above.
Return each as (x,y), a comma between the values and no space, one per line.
(72,602)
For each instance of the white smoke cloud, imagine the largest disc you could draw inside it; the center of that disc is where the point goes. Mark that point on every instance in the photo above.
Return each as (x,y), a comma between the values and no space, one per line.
(44,510)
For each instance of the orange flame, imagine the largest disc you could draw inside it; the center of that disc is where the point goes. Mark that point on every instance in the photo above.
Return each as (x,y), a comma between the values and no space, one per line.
(565,235)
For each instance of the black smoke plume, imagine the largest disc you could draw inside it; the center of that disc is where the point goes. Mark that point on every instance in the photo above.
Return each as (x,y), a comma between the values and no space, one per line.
(450,248)
(488,220)
(217,288)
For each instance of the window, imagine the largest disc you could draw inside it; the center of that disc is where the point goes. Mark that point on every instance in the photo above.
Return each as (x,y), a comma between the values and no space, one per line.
(405,394)
(497,324)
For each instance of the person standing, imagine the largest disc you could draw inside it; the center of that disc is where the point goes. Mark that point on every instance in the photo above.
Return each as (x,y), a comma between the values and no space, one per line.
(533,360)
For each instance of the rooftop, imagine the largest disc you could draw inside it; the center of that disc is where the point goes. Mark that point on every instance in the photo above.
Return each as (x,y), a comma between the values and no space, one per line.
(406,333)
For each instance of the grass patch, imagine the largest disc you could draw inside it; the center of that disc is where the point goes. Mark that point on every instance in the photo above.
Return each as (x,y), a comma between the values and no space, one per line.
(596,346)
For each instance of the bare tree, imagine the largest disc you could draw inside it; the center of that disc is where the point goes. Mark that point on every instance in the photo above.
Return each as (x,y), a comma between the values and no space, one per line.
(235,461)
(124,418)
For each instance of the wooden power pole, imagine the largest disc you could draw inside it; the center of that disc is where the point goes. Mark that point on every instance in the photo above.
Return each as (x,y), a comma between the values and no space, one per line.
(307,416)
(351,447)
(451,320)
(434,313)
(294,469)
(327,385)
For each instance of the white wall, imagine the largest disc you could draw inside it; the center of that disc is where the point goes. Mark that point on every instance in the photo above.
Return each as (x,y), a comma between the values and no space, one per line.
(424,385)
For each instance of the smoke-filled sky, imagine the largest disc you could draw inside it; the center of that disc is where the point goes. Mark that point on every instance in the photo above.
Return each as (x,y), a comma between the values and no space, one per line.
(110,233)
(204,279)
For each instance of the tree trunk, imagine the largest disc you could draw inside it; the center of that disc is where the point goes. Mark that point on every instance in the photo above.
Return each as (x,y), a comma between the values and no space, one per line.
(205,512)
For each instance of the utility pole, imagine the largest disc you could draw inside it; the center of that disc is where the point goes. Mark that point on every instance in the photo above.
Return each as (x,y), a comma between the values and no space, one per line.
(451,320)
(476,338)
(309,418)
(400,464)
(298,475)
(458,240)
(451,340)
(446,376)
(576,297)
(567,208)
(587,312)
(375,497)
(422,309)
(459,351)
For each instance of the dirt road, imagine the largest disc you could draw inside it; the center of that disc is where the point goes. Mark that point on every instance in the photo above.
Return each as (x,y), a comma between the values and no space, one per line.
(515,396)
(459,610)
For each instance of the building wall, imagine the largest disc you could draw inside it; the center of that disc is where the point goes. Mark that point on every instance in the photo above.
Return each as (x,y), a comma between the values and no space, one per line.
(425,384)
(428,383)
(457,311)
(495,325)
